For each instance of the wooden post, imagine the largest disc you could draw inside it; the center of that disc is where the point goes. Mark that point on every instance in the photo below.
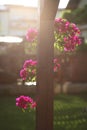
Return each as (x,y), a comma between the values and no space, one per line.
(44,112)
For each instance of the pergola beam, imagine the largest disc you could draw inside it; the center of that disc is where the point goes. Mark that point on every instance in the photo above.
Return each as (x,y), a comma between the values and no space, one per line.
(44,112)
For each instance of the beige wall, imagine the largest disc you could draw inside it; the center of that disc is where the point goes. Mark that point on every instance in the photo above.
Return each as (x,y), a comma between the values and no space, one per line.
(17,20)
(4,22)
(21,18)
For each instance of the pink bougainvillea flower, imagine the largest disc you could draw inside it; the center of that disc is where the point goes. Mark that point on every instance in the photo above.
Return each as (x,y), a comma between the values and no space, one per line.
(30,62)
(28,72)
(33,105)
(33,71)
(34,62)
(55,69)
(55,60)
(31,34)
(22,101)
(56,65)
(67,24)
(25,102)
(57,20)
(27,63)
(23,74)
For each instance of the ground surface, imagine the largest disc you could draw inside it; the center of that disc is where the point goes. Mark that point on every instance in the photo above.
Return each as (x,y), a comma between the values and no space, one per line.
(70,113)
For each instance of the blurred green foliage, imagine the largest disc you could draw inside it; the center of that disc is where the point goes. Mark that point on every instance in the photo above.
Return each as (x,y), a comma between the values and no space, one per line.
(82,47)
(77,16)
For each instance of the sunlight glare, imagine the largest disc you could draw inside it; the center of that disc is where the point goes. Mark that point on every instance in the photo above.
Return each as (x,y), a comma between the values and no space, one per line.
(32,3)
(10,39)
(63,4)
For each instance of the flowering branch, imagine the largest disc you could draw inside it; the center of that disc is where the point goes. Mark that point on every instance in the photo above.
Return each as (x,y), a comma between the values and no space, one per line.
(66,39)
(66,35)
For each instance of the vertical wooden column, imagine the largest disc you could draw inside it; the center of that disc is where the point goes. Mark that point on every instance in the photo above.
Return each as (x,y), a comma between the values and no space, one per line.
(44,112)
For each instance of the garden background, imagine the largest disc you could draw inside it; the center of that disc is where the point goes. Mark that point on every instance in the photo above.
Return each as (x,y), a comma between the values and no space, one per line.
(70,88)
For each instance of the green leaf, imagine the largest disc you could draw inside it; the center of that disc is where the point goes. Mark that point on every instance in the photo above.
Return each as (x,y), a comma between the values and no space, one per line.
(23,110)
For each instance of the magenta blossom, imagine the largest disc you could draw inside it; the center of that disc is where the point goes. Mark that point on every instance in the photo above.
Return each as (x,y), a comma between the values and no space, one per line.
(25,102)
(33,105)
(23,74)
(27,63)
(71,43)
(28,72)
(31,34)
(34,63)
(56,65)
(66,35)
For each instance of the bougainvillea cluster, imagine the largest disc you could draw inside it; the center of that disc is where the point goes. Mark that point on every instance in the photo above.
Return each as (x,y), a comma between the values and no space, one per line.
(25,102)
(66,35)
(28,72)
(31,34)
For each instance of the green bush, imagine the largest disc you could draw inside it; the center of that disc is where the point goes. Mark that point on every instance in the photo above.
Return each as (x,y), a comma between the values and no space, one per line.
(77,16)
